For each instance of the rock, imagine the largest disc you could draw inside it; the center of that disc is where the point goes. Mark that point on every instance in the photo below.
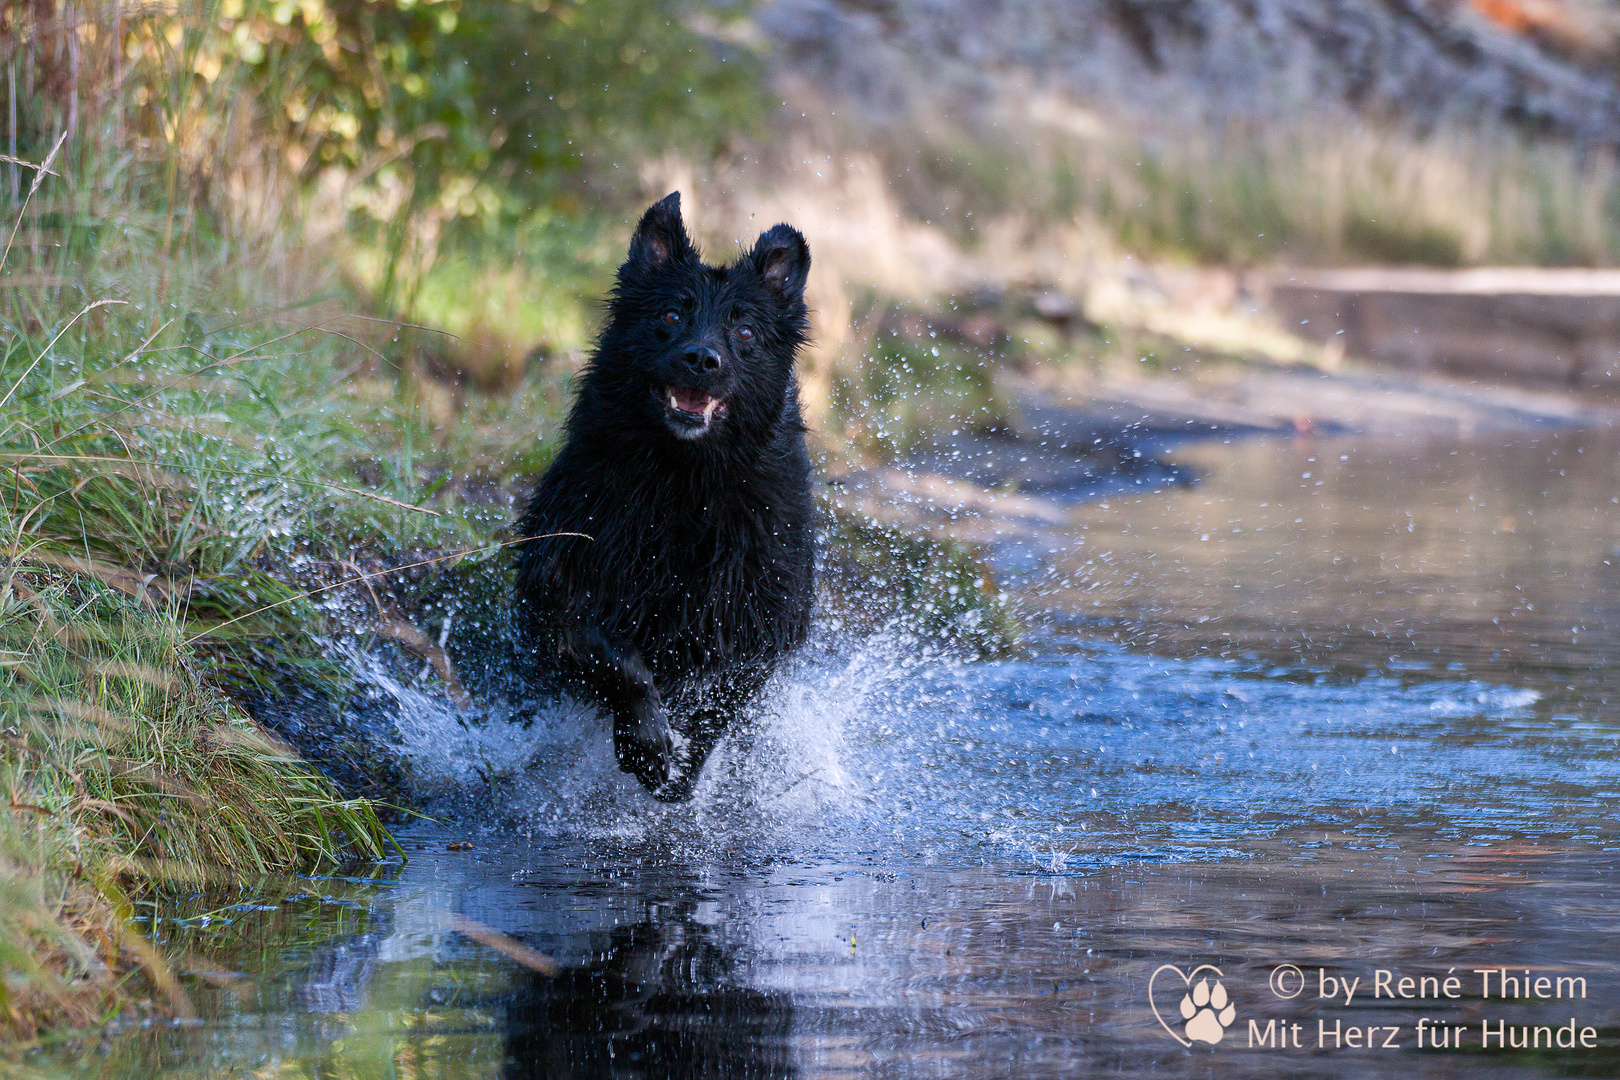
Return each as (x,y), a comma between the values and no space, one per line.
(1201,60)
(1055,307)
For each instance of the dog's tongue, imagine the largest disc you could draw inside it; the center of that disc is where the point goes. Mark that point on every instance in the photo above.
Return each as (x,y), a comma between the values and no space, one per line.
(691,401)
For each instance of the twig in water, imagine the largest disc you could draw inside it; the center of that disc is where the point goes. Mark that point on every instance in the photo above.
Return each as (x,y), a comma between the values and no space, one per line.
(415,641)
(507,946)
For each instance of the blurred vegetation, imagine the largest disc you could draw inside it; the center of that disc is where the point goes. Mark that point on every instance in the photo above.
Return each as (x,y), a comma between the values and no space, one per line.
(879,577)
(1314,191)
(407,128)
(153,482)
(905,390)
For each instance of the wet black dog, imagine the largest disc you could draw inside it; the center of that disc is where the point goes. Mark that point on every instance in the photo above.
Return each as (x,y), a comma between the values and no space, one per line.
(685,466)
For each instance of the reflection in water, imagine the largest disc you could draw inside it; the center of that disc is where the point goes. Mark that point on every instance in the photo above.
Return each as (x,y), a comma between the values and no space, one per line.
(1343,705)
(1399,555)
(664,999)
(841,970)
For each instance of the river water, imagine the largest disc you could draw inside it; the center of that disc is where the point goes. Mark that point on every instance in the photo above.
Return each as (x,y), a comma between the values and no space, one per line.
(1340,714)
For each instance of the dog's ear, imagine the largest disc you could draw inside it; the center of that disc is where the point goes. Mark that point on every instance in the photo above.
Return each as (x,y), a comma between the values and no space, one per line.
(782,258)
(661,236)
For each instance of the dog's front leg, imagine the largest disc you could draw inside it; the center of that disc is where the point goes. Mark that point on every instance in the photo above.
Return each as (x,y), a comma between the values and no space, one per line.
(704,725)
(621,681)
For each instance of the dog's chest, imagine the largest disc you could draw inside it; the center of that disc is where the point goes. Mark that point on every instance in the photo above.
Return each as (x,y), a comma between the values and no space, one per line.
(718,538)
(710,570)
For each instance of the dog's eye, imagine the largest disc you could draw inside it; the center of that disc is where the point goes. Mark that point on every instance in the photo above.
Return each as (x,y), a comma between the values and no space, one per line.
(744,333)
(671,318)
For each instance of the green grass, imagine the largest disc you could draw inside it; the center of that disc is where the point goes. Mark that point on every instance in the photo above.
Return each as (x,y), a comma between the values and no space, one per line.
(878,577)
(183,455)
(149,476)
(123,767)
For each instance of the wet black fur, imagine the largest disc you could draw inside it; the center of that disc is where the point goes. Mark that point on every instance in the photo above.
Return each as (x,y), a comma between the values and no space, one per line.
(697,578)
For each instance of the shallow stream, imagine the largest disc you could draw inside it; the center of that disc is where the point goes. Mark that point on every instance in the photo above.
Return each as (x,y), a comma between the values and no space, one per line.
(1345,705)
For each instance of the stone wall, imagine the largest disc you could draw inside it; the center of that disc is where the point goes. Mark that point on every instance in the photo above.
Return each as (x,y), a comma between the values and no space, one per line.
(1518,325)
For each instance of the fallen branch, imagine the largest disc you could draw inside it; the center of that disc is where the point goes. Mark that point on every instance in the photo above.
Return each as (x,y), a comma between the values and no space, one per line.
(416,641)
(509,947)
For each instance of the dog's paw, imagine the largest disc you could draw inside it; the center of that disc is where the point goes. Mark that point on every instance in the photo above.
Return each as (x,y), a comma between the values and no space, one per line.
(644,743)
(682,776)
(1207,1012)
(677,789)
(692,750)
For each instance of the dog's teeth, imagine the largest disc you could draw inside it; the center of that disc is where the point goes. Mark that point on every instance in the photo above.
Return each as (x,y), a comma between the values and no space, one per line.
(708,409)
(673,403)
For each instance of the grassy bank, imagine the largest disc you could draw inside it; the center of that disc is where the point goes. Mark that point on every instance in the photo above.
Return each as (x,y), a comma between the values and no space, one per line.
(154,471)
(170,447)
(124,771)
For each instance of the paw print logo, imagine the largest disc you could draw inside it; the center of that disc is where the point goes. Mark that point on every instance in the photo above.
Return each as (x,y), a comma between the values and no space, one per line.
(1205,1011)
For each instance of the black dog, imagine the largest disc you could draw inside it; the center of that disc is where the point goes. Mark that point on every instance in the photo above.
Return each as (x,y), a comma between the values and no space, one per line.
(685,469)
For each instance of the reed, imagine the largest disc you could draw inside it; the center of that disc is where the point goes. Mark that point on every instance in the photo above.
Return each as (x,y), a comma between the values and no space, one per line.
(1306,190)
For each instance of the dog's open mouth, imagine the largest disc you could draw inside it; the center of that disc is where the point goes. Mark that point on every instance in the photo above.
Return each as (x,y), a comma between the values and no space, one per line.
(693,408)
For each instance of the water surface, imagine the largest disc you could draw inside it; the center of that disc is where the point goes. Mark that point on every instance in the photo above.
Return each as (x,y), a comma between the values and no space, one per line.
(1344,705)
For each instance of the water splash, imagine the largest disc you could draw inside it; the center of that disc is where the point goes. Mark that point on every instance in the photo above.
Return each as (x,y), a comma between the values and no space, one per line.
(1083,756)
(548,768)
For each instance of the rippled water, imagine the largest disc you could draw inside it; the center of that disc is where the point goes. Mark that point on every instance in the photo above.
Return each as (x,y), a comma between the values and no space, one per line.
(1342,705)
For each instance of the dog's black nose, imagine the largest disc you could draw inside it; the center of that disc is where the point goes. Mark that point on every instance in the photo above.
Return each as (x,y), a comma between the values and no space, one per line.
(703,360)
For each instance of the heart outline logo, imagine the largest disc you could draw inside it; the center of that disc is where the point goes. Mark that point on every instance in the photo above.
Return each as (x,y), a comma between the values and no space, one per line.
(1187,981)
